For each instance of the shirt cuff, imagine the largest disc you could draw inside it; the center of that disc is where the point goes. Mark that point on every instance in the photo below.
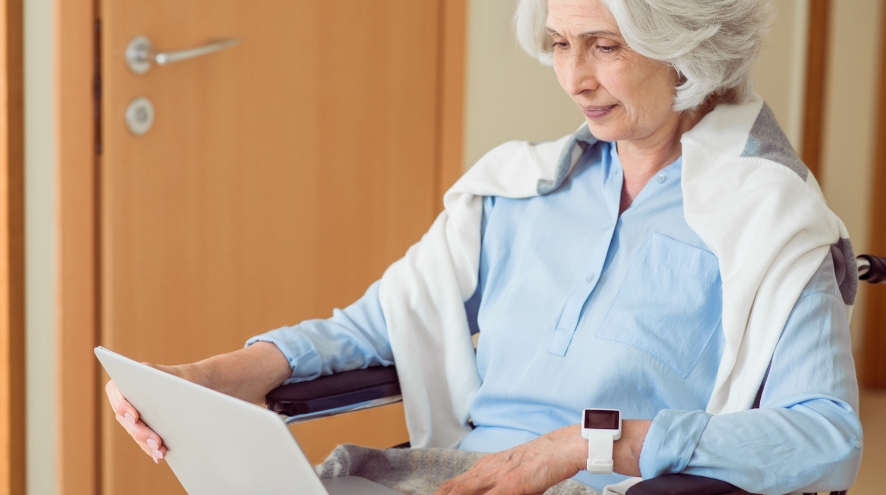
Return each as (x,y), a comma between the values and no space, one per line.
(670,442)
(299,351)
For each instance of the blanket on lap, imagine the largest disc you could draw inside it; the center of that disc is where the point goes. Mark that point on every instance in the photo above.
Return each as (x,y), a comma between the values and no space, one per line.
(746,194)
(415,471)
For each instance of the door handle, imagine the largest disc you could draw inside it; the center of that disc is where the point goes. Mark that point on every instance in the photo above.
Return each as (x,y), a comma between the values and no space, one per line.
(140,54)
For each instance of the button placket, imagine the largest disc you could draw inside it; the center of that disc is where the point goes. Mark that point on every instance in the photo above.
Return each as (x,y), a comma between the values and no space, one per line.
(571,314)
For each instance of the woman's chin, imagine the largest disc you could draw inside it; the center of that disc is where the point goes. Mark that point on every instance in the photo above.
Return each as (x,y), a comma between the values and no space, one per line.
(605,131)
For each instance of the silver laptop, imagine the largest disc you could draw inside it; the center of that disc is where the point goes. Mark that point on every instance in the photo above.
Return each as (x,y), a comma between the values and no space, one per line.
(221,445)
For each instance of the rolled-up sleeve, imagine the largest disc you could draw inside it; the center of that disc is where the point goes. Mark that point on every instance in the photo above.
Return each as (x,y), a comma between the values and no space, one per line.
(353,338)
(806,435)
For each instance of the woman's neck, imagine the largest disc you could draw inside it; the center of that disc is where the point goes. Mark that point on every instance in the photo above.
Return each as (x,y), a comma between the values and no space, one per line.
(642,159)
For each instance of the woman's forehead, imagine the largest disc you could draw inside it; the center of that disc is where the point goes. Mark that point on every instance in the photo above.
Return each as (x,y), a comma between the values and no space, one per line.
(580,18)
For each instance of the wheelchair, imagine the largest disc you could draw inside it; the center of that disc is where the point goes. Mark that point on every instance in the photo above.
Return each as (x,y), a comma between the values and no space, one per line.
(378,386)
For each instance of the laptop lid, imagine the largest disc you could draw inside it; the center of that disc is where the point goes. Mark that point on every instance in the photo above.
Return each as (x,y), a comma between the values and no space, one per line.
(216,443)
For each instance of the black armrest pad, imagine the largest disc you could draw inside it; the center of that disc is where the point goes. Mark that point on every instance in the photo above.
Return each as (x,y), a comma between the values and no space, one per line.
(332,391)
(684,484)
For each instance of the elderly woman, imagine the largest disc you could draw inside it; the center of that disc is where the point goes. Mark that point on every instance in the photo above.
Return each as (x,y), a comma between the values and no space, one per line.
(673,259)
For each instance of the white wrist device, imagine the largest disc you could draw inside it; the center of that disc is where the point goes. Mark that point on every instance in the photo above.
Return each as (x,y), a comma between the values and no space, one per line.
(602,427)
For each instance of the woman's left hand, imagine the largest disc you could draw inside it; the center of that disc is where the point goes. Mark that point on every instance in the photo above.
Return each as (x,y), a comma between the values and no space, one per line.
(535,466)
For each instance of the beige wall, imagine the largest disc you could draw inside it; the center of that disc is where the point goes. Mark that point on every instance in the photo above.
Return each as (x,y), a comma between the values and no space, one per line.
(780,75)
(508,95)
(40,264)
(848,152)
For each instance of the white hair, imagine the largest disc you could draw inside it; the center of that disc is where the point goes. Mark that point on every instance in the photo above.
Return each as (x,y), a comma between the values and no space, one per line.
(713,44)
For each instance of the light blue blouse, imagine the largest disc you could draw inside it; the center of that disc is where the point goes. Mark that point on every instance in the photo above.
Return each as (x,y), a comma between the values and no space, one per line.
(579,308)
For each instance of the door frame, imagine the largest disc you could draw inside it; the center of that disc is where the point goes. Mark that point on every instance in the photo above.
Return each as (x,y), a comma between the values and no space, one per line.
(12,247)
(78,135)
(77,376)
(818,40)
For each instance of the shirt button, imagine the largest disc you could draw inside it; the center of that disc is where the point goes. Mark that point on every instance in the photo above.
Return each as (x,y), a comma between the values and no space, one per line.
(590,278)
(661,178)
(857,443)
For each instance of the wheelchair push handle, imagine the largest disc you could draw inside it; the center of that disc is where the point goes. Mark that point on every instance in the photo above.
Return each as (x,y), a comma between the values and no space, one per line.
(871,269)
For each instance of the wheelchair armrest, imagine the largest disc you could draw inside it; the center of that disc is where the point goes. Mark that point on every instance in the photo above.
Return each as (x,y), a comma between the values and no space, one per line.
(335,391)
(688,484)
(684,484)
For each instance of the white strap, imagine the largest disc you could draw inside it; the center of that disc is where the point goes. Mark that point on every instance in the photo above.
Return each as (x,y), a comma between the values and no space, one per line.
(621,488)
(600,452)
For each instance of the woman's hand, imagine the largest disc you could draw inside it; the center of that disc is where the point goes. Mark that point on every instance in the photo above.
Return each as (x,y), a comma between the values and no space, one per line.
(247,374)
(535,466)
(529,468)
(128,416)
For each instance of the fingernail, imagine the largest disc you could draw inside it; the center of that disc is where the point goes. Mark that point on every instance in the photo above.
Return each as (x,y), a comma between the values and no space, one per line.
(156,461)
(153,444)
(129,418)
(158,454)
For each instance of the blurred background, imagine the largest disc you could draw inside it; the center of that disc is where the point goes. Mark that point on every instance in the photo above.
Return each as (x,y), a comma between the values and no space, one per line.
(278,178)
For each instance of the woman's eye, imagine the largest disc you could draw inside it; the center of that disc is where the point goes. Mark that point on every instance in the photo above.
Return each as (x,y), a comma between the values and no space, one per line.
(559,45)
(606,49)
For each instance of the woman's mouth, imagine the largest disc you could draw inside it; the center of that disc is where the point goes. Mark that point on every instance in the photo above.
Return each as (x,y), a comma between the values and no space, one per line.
(594,112)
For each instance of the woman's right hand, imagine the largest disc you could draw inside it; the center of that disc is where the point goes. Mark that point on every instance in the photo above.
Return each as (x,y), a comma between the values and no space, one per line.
(128,416)
(247,374)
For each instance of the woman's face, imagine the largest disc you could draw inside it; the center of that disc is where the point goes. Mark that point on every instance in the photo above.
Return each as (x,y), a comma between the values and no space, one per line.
(624,95)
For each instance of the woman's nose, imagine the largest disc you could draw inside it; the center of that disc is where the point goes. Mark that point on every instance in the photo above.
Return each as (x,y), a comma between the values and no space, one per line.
(580,75)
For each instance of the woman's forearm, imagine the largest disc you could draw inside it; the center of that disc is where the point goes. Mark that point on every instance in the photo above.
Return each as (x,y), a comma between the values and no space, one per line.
(625,452)
(247,374)
(535,466)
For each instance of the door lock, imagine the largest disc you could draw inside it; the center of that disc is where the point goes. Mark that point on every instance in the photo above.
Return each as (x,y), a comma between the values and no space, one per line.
(140,116)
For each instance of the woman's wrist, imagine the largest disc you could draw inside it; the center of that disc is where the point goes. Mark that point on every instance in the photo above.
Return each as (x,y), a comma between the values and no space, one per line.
(626,451)
(578,446)
(192,372)
(247,374)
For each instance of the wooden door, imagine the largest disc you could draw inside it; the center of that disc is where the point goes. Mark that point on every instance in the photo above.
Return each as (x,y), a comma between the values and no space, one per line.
(280,178)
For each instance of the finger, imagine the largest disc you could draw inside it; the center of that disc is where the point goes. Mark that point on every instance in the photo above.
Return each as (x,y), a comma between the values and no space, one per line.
(132,431)
(447,487)
(128,416)
(508,489)
(156,454)
(145,437)
(119,404)
(486,466)
(485,474)
(462,485)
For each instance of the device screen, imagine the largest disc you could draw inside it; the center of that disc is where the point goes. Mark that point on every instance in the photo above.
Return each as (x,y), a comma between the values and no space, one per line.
(601,420)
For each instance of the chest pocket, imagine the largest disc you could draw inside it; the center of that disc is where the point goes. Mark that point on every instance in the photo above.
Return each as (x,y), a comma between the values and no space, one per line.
(669,305)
